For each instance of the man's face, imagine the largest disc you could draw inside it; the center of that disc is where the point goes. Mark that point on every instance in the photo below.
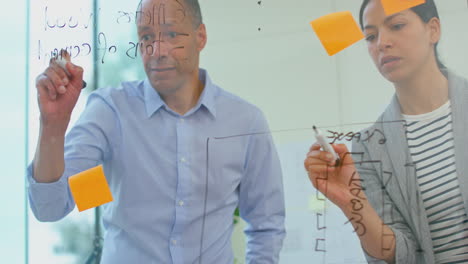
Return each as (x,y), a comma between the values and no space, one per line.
(170,44)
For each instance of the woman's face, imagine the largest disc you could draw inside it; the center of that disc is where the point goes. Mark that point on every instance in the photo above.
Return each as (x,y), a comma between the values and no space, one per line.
(401,44)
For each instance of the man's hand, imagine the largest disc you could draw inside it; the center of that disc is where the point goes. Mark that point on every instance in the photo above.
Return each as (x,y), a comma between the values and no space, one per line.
(58,91)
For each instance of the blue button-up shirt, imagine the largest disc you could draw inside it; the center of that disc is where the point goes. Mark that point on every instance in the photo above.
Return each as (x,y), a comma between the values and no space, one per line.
(176,180)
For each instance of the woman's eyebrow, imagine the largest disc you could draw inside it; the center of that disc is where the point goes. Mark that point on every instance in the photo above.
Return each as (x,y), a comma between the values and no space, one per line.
(386,20)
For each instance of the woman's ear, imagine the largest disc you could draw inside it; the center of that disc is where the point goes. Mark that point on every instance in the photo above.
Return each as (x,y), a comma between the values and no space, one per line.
(434,30)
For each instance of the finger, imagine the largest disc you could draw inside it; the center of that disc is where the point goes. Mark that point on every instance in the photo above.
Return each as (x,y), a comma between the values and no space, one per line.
(76,73)
(321,168)
(54,76)
(321,155)
(61,71)
(42,90)
(311,161)
(340,148)
(344,153)
(46,87)
(317,165)
(65,63)
(41,84)
(325,156)
(315,146)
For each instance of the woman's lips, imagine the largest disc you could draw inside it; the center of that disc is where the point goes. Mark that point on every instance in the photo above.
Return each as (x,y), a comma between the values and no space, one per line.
(389,60)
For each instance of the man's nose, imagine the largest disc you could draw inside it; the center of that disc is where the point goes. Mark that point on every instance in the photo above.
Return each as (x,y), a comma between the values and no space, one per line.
(157,48)
(161,48)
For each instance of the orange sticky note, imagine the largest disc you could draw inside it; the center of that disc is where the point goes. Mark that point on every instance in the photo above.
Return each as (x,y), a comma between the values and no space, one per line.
(90,189)
(394,6)
(337,31)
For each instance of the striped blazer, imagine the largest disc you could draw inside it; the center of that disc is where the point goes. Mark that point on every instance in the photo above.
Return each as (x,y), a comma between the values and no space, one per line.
(389,177)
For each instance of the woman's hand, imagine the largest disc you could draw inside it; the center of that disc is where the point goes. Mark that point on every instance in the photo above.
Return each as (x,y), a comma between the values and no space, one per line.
(340,183)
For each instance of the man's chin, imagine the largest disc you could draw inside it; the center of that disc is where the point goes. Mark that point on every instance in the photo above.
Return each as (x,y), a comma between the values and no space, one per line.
(158,78)
(162,86)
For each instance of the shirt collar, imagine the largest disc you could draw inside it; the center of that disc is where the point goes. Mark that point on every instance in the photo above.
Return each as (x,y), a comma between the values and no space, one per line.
(207,98)
(154,102)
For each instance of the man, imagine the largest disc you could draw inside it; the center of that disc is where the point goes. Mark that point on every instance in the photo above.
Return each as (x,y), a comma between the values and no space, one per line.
(169,151)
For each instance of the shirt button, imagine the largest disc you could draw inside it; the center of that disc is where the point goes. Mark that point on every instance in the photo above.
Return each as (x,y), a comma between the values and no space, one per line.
(174,242)
(183,159)
(182,120)
(181,203)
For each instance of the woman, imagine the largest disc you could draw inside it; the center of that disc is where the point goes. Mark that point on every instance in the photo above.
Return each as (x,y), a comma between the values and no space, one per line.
(407,198)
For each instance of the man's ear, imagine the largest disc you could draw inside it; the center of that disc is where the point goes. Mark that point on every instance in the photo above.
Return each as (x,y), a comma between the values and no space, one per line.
(202,38)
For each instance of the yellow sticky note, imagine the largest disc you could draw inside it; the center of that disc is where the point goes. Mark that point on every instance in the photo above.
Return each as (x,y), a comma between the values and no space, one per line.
(337,31)
(394,6)
(90,189)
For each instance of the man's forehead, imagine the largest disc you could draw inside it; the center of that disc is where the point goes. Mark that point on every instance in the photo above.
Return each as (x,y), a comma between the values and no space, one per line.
(162,12)
(149,27)
(170,4)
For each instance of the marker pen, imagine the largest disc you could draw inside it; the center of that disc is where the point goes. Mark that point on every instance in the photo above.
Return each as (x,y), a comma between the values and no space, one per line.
(325,145)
